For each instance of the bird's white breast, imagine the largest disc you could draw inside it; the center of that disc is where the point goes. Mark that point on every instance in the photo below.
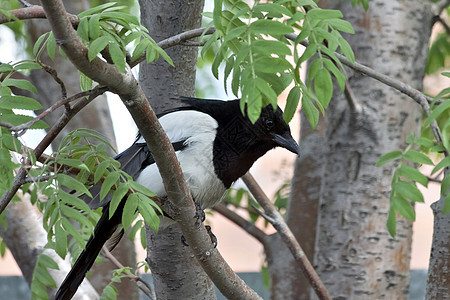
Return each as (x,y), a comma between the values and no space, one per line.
(196,159)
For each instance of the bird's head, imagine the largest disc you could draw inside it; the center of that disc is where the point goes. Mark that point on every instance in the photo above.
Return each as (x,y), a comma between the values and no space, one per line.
(273,130)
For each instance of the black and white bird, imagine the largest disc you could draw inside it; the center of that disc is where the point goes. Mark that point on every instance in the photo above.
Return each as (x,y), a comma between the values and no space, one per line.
(215,145)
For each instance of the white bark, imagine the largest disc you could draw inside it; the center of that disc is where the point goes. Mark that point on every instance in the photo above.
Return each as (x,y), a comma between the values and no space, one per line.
(355,256)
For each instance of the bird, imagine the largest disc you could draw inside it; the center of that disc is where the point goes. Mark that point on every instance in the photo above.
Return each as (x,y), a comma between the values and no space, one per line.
(215,143)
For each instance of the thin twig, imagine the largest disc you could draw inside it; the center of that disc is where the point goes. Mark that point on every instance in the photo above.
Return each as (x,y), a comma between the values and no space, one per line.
(176,40)
(36,179)
(52,72)
(438,7)
(94,91)
(249,227)
(287,236)
(25,3)
(143,286)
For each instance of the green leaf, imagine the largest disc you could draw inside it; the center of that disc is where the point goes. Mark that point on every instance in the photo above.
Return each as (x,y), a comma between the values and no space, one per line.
(19,102)
(268,64)
(51,46)
(408,191)
(271,47)
(100,170)
(318,13)
(445,185)
(417,157)
(311,112)
(413,174)
(442,164)
(346,50)
(38,43)
(27,65)
(336,72)
(149,215)
(72,183)
(266,90)
(94,27)
(129,210)
(436,112)
(76,215)
(446,208)
(341,25)
(323,87)
(291,104)
(140,48)
(71,199)
(83,29)
(270,27)
(48,262)
(141,189)
(96,9)
(73,163)
(96,46)
(394,155)
(60,240)
(403,207)
(117,197)
(307,54)
(5,68)
(117,56)
(20,83)
(44,276)
(85,82)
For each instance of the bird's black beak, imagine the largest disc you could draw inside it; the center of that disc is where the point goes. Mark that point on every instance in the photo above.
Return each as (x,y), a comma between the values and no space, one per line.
(286,141)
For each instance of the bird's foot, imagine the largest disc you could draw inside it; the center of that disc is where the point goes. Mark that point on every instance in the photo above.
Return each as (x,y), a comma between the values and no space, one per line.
(199,215)
(211,235)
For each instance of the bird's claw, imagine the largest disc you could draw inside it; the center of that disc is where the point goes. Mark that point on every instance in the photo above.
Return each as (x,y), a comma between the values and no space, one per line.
(199,215)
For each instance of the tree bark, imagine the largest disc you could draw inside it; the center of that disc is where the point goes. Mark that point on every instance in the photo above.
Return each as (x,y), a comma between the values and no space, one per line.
(176,272)
(355,256)
(438,284)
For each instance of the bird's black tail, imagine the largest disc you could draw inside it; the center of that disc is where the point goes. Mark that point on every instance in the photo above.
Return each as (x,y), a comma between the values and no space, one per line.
(103,231)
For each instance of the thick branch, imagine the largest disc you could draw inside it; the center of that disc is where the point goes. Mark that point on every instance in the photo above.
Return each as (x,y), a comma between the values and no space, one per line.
(126,86)
(33,12)
(277,221)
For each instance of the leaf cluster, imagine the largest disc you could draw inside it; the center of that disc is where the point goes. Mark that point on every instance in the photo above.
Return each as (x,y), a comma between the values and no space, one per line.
(262,62)
(406,177)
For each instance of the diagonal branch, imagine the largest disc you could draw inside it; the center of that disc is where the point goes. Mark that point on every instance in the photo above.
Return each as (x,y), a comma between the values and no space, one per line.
(127,87)
(249,227)
(288,237)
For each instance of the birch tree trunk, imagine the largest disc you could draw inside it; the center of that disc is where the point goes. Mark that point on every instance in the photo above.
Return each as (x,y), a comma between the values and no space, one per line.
(176,273)
(355,256)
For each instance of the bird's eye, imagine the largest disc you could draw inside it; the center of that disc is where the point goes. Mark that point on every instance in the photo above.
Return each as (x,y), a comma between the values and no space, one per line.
(269,124)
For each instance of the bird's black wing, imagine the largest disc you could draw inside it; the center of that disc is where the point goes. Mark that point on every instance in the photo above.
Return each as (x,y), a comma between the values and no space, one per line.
(132,160)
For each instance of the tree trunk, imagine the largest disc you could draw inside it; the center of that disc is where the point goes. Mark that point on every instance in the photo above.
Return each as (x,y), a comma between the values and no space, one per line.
(176,273)
(355,256)
(438,285)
